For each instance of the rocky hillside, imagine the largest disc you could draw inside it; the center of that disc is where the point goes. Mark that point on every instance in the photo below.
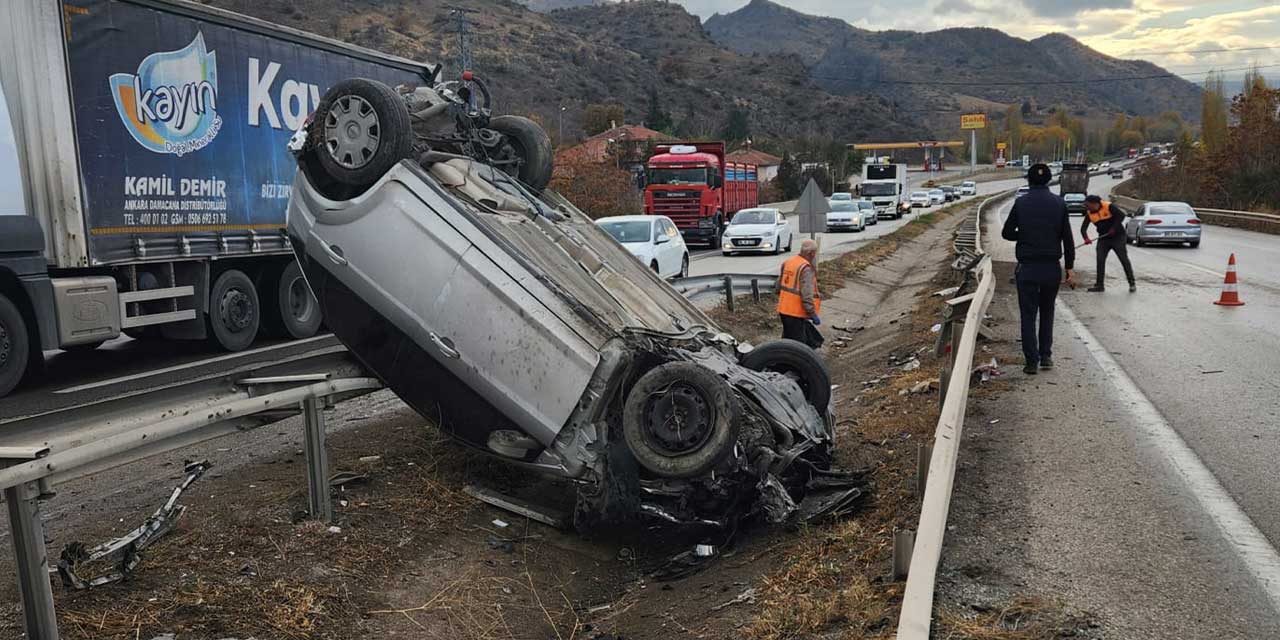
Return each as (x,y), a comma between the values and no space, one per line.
(952,69)
(539,62)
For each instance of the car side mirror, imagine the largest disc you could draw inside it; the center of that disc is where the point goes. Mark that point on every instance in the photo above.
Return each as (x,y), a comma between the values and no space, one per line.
(661,240)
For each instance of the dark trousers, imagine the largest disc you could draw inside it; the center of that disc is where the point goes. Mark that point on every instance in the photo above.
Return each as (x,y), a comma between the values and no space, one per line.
(1037,289)
(801,330)
(1117,244)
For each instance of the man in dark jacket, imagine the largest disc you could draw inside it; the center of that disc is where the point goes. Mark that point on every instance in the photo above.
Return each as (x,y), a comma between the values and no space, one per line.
(1108,219)
(1038,223)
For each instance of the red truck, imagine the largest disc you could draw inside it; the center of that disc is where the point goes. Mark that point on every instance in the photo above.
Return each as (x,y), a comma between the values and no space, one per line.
(691,183)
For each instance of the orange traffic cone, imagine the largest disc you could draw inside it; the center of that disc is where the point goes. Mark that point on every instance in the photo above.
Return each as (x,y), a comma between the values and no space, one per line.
(1230,296)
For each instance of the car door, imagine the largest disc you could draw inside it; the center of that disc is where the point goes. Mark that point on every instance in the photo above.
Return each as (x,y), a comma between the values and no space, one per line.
(662,249)
(1131,223)
(675,246)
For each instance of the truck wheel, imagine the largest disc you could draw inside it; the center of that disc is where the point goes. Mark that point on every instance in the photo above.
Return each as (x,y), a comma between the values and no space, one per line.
(83,348)
(234,312)
(289,310)
(532,145)
(680,420)
(798,362)
(14,346)
(361,129)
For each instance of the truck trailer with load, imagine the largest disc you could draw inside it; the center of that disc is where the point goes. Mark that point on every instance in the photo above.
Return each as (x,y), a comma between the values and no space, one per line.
(885,185)
(691,183)
(144,174)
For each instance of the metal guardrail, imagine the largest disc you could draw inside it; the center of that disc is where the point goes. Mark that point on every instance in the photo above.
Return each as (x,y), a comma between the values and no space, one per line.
(917,605)
(727,285)
(37,452)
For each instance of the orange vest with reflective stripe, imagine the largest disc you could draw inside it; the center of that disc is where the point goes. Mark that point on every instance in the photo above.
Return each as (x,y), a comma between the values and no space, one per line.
(1103,214)
(790,302)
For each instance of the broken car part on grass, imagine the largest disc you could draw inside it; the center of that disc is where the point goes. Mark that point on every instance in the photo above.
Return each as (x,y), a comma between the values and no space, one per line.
(505,315)
(120,556)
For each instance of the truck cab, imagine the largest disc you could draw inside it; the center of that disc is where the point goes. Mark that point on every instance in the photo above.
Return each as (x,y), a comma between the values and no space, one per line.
(696,188)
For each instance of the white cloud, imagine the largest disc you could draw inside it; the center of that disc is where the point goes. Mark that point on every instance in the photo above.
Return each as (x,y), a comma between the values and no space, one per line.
(1147,29)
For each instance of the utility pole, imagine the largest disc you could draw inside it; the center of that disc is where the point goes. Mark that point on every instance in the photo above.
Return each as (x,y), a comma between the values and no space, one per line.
(463,28)
(560,137)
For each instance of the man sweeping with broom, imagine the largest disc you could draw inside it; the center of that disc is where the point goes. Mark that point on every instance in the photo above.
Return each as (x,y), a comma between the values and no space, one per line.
(1108,219)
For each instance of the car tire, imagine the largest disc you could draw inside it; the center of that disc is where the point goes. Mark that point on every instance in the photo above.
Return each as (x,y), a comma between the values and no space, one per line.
(15,346)
(532,145)
(710,413)
(791,238)
(795,360)
(684,266)
(656,269)
(1138,241)
(726,253)
(360,130)
(289,309)
(235,312)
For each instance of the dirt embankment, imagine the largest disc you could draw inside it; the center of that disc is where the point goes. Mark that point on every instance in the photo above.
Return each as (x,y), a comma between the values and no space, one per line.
(411,555)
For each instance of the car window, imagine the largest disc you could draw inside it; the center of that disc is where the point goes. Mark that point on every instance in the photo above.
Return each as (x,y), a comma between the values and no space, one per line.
(919,194)
(1178,209)
(843,206)
(670,229)
(865,204)
(628,231)
(754,216)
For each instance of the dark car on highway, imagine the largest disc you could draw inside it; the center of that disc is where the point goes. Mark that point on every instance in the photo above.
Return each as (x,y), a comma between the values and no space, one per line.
(1115,172)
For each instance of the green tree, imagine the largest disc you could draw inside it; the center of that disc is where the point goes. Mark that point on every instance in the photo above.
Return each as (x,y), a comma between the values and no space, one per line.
(789,176)
(598,118)
(736,126)
(1213,114)
(1013,128)
(658,118)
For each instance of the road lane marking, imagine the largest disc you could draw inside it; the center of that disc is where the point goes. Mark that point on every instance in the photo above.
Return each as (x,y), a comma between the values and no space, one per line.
(190,365)
(1236,527)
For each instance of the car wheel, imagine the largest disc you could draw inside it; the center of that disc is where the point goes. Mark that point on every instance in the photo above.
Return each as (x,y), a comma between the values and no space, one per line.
(684,266)
(289,310)
(726,253)
(234,311)
(361,129)
(531,145)
(654,265)
(790,238)
(1138,241)
(15,347)
(680,420)
(798,362)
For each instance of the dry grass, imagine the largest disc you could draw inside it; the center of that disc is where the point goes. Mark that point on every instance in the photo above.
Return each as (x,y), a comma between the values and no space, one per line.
(1021,619)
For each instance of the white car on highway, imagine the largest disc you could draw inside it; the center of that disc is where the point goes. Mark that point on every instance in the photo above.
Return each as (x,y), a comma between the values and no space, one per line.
(758,230)
(1163,223)
(921,199)
(868,209)
(846,216)
(937,196)
(841,196)
(968,188)
(654,240)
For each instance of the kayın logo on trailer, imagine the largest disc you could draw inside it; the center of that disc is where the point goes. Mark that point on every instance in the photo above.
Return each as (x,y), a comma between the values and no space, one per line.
(171,104)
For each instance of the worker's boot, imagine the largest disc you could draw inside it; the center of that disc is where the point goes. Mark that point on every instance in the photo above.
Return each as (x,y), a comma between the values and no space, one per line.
(1097,288)
(1046,363)
(1030,369)
(1133,287)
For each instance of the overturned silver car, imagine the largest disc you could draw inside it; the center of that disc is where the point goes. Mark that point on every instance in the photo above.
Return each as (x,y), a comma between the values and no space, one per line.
(502,313)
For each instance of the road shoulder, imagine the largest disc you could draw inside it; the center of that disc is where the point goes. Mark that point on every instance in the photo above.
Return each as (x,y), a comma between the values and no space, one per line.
(1059,497)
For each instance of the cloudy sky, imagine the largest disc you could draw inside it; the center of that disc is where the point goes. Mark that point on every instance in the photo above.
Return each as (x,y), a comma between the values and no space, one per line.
(1170,33)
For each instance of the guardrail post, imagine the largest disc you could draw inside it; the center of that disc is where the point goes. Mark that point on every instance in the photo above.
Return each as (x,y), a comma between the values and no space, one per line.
(903,542)
(27,532)
(728,292)
(755,290)
(924,452)
(320,506)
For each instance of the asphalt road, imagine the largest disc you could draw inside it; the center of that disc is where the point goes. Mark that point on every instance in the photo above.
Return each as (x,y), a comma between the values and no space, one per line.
(1200,373)
(710,261)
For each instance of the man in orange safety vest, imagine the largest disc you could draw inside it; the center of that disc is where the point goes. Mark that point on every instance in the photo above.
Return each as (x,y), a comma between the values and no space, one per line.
(798,300)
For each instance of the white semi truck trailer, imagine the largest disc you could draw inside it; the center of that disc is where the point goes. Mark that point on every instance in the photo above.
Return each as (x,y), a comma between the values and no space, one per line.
(144,174)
